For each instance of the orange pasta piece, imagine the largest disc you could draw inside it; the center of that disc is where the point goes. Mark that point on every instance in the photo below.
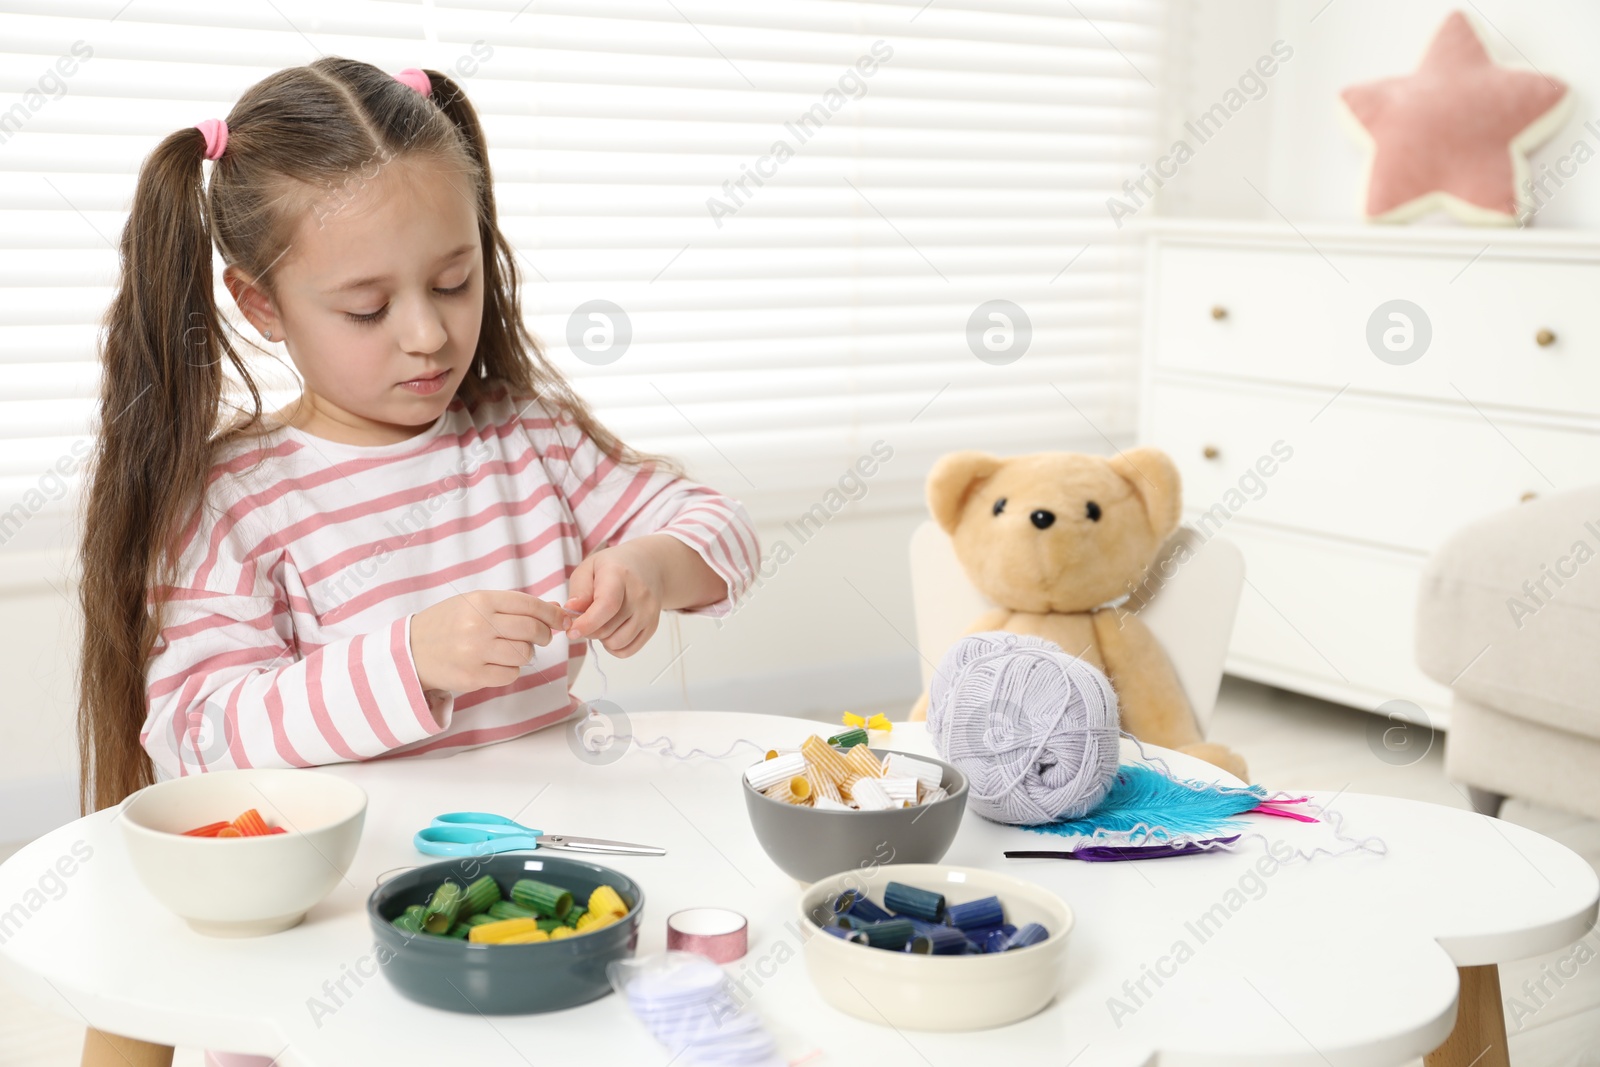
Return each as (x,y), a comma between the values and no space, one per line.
(229,831)
(208,830)
(250,824)
(822,759)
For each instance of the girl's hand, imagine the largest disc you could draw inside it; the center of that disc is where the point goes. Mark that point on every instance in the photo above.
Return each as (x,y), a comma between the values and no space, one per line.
(480,639)
(619,592)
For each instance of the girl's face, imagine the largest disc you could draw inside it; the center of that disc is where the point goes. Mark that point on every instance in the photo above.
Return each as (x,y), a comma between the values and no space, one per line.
(380,303)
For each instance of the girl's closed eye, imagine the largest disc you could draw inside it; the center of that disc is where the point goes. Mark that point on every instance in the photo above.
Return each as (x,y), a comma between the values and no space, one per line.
(374,316)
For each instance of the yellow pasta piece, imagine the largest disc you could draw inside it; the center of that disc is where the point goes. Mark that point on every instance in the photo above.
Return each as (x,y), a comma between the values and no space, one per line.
(562,931)
(497,932)
(863,763)
(822,759)
(605,900)
(593,921)
(783,792)
(524,938)
(823,787)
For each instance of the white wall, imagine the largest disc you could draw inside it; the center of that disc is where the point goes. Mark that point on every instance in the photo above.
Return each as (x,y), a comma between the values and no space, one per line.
(1290,143)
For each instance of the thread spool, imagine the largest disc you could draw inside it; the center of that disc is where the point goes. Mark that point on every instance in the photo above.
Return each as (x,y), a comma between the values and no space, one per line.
(1035,730)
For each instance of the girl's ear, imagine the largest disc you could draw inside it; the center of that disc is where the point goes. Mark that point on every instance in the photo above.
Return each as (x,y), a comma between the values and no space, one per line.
(952,479)
(1154,479)
(254,304)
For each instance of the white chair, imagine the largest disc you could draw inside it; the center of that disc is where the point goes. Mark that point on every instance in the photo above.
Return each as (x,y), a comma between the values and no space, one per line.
(1191,611)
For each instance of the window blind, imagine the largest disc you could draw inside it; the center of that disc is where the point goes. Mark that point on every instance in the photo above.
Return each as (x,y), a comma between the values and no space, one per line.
(785,307)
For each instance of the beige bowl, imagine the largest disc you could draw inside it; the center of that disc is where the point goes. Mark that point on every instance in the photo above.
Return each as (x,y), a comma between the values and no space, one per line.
(244,886)
(917,992)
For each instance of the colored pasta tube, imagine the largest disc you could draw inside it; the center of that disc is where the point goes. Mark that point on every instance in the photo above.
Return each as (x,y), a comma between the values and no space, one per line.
(785,793)
(995,940)
(929,774)
(443,907)
(1027,934)
(208,830)
(921,904)
(562,931)
(496,932)
(861,761)
(251,824)
(892,934)
(938,941)
(547,925)
(505,909)
(975,913)
(863,907)
(459,931)
(824,760)
(479,919)
(825,804)
(578,911)
(526,938)
(845,933)
(869,795)
(770,772)
(849,738)
(410,920)
(606,899)
(549,901)
(229,831)
(479,896)
(901,790)
(823,788)
(928,796)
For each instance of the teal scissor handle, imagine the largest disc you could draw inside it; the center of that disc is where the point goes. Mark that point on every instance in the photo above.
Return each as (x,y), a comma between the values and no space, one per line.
(483,820)
(448,840)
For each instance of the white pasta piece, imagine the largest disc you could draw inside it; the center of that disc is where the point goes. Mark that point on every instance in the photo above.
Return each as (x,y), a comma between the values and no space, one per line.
(778,769)
(869,795)
(902,790)
(930,774)
(824,803)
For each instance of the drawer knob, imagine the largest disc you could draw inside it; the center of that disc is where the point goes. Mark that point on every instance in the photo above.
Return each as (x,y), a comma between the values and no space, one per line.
(1529,495)
(1546,338)
(1218,311)
(1211,451)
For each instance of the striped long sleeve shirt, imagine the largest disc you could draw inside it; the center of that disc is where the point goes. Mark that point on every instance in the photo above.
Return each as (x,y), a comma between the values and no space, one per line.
(285,640)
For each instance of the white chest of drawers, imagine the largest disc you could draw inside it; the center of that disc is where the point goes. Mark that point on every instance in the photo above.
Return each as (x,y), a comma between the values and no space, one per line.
(1337,471)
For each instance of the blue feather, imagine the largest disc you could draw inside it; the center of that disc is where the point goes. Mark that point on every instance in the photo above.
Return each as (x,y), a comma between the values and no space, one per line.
(1145,804)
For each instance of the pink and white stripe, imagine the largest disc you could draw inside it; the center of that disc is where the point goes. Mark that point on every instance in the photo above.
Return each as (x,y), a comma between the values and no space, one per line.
(286,639)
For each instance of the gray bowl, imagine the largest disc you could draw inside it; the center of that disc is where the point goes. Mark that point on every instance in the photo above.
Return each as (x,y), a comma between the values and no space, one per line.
(502,979)
(809,844)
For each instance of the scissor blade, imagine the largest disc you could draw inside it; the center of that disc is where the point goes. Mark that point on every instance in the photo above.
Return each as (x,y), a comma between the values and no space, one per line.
(595,844)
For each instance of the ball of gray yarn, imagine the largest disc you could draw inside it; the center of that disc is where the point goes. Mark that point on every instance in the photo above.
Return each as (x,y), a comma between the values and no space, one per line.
(1034,729)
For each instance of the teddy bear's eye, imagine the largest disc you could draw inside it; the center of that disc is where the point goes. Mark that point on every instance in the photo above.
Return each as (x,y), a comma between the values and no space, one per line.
(999,505)
(1093,511)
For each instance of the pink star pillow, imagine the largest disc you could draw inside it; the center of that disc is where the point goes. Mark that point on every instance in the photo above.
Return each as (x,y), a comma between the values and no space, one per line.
(1454,135)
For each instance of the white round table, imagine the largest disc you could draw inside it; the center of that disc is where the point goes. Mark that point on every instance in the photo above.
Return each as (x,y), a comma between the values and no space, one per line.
(1223,958)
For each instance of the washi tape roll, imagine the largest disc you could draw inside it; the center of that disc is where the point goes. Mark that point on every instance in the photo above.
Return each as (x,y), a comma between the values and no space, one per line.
(718,934)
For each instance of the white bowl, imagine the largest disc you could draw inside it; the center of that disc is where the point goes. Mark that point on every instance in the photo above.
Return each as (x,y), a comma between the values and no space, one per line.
(244,886)
(918,992)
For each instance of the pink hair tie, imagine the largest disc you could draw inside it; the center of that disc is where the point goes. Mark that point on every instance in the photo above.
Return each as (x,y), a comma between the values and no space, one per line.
(417,79)
(216,132)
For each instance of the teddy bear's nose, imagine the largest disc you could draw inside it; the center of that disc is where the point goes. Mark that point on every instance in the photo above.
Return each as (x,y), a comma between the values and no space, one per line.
(1042,518)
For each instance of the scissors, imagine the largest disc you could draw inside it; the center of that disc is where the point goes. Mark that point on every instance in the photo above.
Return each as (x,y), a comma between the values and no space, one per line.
(478,833)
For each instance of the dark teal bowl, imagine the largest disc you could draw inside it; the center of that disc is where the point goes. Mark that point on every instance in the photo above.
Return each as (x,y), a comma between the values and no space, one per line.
(502,979)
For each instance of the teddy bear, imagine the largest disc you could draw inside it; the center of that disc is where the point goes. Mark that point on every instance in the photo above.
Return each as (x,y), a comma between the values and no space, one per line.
(1054,538)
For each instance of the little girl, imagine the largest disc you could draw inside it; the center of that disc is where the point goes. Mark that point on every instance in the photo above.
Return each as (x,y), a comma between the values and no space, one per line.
(381,568)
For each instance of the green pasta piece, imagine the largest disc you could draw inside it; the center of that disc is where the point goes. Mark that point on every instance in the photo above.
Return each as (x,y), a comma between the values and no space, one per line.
(576,912)
(549,924)
(443,907)
(505,909)
(459,931)
(479,895)
(549,901)
(409,920)
(479,919)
